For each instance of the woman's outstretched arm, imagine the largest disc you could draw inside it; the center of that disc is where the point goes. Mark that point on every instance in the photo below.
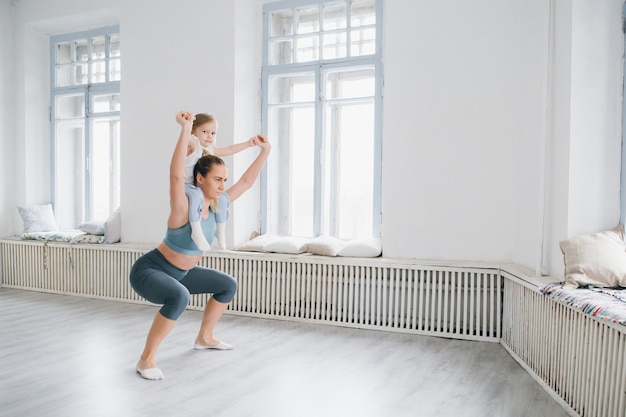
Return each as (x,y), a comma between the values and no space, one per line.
(249,177)
(179,204)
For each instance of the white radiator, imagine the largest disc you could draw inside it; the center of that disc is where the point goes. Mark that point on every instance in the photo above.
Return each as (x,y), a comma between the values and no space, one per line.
(578,358)
(462,303)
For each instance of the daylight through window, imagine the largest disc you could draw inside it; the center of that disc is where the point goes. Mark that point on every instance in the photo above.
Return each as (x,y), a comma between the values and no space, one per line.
(85,114)
(322,83)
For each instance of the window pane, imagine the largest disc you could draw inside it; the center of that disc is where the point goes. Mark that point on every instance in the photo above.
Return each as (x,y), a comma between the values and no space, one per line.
(308,20)
(97,48)
(302,171)
(292,88)
(64,76)
(115,70)
(81,74)
(334,45)
(114,45)
(64,53)
(280,51)
(352,83)
(69,106)
(290,173)
(105,103)
(307,48)
(349,157)
(98,72)
(354,144)
(82,50)
(281,23)
(363,42)
(70,173)
(105,167)
(292,129)
(334,16)
(363,12)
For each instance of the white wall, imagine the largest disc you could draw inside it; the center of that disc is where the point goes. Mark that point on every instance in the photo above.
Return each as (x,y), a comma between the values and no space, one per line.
(473,104)
(195,65)
(460,104)
(7,114)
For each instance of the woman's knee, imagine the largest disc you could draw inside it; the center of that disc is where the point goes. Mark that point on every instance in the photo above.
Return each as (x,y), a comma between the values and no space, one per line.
(229,288)
(175,303)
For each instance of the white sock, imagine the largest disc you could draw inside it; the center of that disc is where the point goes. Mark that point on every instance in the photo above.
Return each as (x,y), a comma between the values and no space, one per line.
(198,237)
(220,235)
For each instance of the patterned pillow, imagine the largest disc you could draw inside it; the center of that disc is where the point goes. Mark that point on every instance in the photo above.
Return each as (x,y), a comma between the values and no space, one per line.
(57,236)
(38,218)
(88,238)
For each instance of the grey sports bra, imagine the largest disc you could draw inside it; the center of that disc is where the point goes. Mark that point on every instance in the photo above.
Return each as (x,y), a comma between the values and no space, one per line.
(179,239)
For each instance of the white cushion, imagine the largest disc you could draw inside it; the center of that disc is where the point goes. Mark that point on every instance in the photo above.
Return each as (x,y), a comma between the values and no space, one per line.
(95,227)
(256,244)
(37,218)
(325,245)
(362,248)
(598,259)
(113,227)
(287,244)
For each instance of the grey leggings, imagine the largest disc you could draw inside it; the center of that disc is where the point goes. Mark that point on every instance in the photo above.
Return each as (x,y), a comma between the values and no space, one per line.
(160,282)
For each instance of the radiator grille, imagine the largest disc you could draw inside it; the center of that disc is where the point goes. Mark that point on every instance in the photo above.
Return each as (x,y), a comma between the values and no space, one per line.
(579,358)
(463,303)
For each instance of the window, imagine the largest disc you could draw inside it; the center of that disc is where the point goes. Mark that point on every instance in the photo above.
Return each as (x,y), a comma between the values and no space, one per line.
(322,84)
(85,116)
(623,174)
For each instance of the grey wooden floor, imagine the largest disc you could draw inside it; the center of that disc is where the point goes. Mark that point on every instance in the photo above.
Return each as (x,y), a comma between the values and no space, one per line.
(71,356)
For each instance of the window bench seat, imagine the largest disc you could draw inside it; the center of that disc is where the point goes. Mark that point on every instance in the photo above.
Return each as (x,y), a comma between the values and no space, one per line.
(580,359)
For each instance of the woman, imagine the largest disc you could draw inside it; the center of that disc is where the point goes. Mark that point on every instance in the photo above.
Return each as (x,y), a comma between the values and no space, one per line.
(169,274)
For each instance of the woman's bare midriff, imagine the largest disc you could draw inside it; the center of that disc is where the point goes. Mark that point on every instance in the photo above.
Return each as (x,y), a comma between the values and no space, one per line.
(185,262)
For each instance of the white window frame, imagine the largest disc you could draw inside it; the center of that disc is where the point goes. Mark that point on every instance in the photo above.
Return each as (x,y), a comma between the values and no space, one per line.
(318,67)
(109,86)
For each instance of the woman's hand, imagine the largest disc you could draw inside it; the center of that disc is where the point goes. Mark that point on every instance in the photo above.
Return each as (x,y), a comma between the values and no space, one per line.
(262,142)
(185,119)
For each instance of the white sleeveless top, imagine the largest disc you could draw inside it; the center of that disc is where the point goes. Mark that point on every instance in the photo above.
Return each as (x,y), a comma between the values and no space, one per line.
(190,160)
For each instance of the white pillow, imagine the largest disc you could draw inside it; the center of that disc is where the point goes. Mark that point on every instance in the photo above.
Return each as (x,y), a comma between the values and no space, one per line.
(113,227)
(287,244)
(256,244)
(37,218)
(362,248)
(598,259)
(325,245)
(95,227)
